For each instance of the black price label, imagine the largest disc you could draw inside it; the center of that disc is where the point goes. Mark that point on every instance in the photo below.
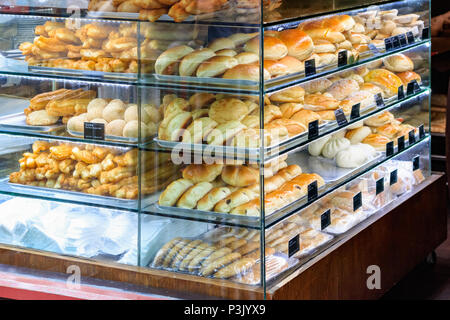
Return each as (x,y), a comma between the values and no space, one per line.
(313,129)
(388,44)
(342,58)
(379,186)
(325,219)
(402,39)
(416,163)
(393,177)
(294,245)
(425,33)
(410,88)
(401,93)
(94,131)
(421,132)
(401,143)
(412,137)
(396,42)
(390,149)
(410,37)
(379,100)
(416,86)
(312,191)
(357,201)
(355,113)
(310,67)
(340,117)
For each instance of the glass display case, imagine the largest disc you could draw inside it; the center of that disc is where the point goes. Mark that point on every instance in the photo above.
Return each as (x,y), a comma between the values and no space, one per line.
(220,142)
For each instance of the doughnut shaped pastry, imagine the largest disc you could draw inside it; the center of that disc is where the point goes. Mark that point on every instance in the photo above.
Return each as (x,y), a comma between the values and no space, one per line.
(174,191)
(171,56)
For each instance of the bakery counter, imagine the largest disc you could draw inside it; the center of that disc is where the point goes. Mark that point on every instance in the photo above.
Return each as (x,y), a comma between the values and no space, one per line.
(102,113)
(234,253)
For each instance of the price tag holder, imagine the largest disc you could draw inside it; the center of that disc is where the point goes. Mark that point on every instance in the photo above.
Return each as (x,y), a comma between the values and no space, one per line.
(340,117)
(294,245)
(312,191)
(425,33)
(390,149)
(94,131)
(416,163)
(325,219)
(379,186)
(410,88)
(396,42)
(357,201)
(342,58)
(313,130)
(412,137)
(400,93)
(379,100)
(310,67)
(388,44)
(355,113)
(402,39)
(393,177)
(410,37)
(421,132)
(401,143)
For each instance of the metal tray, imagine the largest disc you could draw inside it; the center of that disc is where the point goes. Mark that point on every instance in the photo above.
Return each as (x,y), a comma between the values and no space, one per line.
(87,73)
(18,122)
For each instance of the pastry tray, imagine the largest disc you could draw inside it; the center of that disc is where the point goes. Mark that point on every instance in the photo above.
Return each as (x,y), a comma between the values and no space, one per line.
(17,121)
(234,151)
(73,195)
(87,73)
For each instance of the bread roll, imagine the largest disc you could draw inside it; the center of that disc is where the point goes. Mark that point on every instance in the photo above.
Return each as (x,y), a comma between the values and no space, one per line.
(174,191)
(293,94)
(114,110)
(208,201)
(319,102)
(190,62)
(408,76)
(289,109)
(240,176)
(192,195)
(379,120)
(221,43)
(305,117)
(170,56)
(198,130)
(115,128)
(228,109)
(342,88)
(298,43)
(249,72)
(226,52)
(315,86)
(293,127)
(224,132)
(274,48)
(357,135)
(398,63)
(384,79)
(246,58)
(202,172)
(216,66)
(377,141)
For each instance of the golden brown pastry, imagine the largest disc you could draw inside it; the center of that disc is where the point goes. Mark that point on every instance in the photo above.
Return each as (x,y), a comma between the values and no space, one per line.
(249,72)
(306,116)
(228,109)
(294,94)
(202,172)
(240,176)
(174,191)
(216,66)
(377,141)
(299,44)
(384,79)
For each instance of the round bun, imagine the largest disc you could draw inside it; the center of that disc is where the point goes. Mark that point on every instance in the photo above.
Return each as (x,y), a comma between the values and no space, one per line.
(315,148)
(298,43)
(246,57)
(292,94)
(306,116)
(379,120)
(228,109)
(248,72)
(384,79)
(226,52)
(319,85)
(377,141)
(357,135)
(190,62)
(170,56)
(353,156)
(342,88)
(99,120)
(408,76)
(398,63)
(240,176)
(114,110)
(216,66)
(319,102)
(241,38)
(151,112)
(274,48)
(115,127)
(324,46)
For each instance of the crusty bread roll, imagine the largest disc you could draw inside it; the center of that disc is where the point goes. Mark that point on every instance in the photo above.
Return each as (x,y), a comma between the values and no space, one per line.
(293,94)
(174,191)
(324,46)
(240,176)
(41,118)
(190,62)
(298,43)
(226,52)
(170,56)
(357,135)
(249,72)
(384,79)
(274,48)
(216,66)
(115,128)
(398,63)
(293,127)
(202,172)
(388,130)
(228,109)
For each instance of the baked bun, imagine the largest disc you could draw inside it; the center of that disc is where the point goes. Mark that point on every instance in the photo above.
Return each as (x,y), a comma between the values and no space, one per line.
(298,43)
(287,65)
(221,43)
(202,172)
(225,132)
(241,38)
(246,58)
(319,102)
(274,48)
(248,72)
(315,86)
(357,135)
(333,146)
(226,52)
(342,88)
(240,176)
(293,127)
(208,201)
(289,109)
(170,56)
(398,63)
(201,100)
(379,120)
(305,117)
(114,110)
(190,62)
(198,130)
(228,109)
(384,79)
(292,94)
(41,118)
(115,128)
(322,33)
(365,98)
(408,76)
(388,130)
(216,66)
(324,46)
(174,191)
(377,141)
(373,89)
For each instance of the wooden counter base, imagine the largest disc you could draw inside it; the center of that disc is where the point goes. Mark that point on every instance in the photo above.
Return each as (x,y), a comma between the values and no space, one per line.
(396,240)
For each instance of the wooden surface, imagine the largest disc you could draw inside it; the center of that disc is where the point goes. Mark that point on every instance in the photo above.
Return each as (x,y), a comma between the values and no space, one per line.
(396,243)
